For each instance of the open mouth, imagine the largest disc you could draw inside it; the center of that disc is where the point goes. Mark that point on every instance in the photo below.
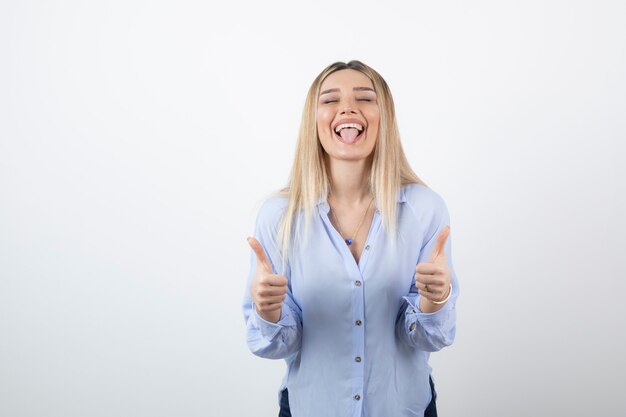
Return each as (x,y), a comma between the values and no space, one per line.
(349,132)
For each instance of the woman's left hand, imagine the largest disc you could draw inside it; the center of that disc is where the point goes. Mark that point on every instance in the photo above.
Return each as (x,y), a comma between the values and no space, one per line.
(433,278)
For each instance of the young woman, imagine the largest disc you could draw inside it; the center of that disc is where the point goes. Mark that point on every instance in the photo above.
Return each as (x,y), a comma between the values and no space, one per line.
(351,280)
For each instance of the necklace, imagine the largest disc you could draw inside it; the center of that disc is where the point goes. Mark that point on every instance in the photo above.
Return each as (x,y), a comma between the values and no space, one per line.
(349,239)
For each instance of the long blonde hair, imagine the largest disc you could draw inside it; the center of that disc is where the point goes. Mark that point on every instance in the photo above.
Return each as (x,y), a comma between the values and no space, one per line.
(308,181)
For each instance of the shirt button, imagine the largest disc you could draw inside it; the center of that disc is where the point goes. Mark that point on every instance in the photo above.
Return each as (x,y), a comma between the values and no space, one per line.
(367,247)
(358,322)
(357,283)
(357,397)
(357,359)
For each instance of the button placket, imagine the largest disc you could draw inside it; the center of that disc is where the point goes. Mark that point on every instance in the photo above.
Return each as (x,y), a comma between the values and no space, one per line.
(358,335)
(357,271)
(371,238)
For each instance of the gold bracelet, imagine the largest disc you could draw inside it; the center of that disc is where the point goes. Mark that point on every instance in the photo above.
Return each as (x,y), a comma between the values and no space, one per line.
(447,298)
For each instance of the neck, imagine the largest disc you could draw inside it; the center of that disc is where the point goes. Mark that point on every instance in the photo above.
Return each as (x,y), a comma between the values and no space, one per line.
(349,181)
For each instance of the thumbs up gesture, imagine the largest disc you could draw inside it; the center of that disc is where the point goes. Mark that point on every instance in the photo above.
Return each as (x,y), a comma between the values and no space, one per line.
(267,289)
(433,278)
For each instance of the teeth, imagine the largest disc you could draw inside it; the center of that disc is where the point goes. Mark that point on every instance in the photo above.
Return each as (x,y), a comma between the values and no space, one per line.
(346,125)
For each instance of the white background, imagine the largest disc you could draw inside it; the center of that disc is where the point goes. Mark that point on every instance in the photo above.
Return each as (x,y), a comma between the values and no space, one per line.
(137,139)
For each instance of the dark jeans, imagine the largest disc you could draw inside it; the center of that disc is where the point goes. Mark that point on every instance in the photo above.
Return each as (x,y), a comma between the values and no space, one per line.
(431,410)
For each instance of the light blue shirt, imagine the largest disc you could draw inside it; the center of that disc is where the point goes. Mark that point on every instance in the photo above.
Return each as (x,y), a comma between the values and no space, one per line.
(345,328)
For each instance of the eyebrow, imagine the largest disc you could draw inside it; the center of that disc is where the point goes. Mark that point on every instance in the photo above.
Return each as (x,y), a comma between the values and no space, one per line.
(336,90)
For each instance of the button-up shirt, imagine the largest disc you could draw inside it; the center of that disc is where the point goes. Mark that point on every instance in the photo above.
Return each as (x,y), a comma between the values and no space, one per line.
(353,337)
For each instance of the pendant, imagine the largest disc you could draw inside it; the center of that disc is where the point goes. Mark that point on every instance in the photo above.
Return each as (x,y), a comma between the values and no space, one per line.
(348,241)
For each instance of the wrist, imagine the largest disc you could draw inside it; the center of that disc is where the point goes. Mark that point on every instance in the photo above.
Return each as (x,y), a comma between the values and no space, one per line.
(270,316)
(445,298)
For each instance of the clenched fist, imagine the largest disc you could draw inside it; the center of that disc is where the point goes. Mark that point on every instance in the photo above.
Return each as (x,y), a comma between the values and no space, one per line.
(267,289)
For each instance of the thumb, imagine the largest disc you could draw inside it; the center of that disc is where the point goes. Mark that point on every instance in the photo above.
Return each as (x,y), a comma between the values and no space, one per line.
(439,245)
(261,258)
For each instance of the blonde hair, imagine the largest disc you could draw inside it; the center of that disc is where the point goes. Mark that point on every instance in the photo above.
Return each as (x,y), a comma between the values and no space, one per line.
(308,181)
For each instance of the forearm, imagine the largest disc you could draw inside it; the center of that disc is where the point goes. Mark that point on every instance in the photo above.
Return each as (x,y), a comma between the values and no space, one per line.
(427,331)
(274,340)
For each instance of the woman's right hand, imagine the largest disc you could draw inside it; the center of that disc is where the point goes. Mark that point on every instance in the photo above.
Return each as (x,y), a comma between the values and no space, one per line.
(267,289)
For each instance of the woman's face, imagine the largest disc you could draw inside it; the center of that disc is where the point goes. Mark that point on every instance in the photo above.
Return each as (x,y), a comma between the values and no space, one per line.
(347,115)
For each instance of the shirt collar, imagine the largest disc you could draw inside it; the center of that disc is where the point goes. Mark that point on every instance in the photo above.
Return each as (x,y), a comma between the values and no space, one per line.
(323,204)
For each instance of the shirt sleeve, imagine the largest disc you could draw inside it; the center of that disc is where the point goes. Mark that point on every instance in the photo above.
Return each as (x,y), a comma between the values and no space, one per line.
(430,331)
(266,339)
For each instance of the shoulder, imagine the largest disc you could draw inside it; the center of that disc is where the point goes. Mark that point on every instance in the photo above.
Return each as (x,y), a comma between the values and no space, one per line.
(272,210)
(427,207)
(422,199)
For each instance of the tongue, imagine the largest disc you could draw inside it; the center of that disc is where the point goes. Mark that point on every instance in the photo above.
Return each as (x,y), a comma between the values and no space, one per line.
(349,134)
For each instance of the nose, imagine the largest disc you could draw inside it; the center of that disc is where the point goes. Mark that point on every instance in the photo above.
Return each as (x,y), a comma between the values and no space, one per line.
(348,110)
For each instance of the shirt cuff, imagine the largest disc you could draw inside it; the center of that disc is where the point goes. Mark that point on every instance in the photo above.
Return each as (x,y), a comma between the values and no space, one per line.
(427,320)
(268,329)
